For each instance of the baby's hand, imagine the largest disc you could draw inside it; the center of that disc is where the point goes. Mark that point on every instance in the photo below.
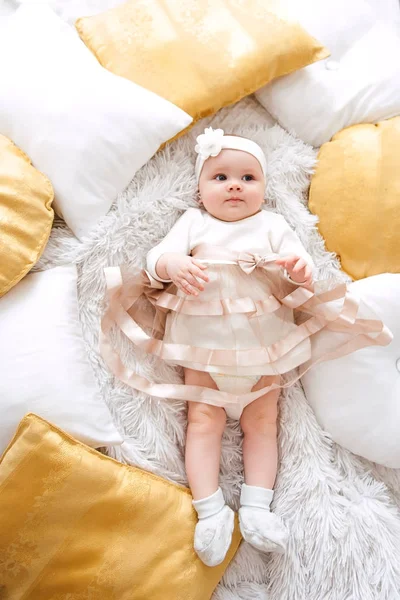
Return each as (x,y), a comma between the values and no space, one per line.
(297,268)
(184,271)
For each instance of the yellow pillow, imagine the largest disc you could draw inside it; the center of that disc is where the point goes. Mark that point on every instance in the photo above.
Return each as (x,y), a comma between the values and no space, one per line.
(26,215)
(77,524)
(200,55)
(355,192)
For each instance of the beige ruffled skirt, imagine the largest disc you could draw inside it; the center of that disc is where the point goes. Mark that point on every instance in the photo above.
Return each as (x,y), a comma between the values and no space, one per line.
(249,321)
(239,314)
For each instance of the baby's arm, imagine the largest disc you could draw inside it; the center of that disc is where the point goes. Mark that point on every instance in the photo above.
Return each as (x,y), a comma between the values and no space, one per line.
(295,258)
(170,260)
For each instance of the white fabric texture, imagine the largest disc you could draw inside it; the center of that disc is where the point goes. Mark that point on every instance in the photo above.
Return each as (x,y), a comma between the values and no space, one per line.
(357,398)
(341,510)
(213,533)
(213,536)
(265,230)
(257,497)
(264,530)
(44,364)
(209,506)
(258,525)
(358,83)
(387,10)
(235,384)
(87,129)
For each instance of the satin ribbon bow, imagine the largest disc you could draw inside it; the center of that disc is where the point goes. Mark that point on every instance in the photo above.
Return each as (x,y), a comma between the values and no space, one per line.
(248,261)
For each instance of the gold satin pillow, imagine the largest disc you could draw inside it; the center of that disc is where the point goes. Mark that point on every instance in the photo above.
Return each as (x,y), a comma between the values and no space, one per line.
(26,215)
(355,192)
(77,524)
(200,55)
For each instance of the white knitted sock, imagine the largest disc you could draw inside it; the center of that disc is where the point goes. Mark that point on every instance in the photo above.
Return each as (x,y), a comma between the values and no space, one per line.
(213,533)
(259,526)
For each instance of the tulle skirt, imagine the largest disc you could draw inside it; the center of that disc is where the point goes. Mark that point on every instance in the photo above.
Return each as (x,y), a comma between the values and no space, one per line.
(249,321)
(261,323)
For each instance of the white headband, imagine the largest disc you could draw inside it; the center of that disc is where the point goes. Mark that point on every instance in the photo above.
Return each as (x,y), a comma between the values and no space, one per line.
(212,141)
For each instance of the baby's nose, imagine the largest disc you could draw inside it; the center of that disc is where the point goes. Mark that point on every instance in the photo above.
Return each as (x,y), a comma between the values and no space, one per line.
(235,185)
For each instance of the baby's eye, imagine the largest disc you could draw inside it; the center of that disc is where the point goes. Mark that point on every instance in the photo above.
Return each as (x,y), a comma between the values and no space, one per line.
(220,177)
(247,177)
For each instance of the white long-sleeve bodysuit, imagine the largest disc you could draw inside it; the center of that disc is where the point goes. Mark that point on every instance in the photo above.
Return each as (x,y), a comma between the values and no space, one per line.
(264,230)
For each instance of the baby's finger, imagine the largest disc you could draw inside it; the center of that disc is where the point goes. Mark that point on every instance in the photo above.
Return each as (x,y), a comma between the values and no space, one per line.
(182,287)
(196,272)
(280,261)
(288,261)
(187,288)
(308,274)
(199,264)
(191,280)
(299,266)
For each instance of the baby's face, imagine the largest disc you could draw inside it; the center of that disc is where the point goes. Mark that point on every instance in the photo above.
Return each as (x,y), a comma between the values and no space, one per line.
(232,185)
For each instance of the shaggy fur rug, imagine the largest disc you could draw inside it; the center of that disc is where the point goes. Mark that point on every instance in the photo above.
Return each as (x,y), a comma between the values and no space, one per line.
(342,511)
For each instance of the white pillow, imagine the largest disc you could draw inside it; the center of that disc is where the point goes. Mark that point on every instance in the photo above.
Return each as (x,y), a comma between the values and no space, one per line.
(358,83)
(356,398)
(44,364)
(87,129)
(389,10)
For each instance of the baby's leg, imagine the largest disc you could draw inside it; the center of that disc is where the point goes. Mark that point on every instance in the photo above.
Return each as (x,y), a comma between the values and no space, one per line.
(261,528)
(206,425)
(260,447)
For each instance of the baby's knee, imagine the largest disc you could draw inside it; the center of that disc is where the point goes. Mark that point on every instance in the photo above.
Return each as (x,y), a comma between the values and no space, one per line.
(261,418)
(205,418)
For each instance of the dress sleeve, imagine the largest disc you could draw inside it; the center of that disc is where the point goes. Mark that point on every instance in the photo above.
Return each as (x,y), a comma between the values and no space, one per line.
(176,240)
(285,241)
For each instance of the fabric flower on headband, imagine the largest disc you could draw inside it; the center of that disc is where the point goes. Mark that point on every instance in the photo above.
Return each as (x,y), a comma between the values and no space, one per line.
(209,143)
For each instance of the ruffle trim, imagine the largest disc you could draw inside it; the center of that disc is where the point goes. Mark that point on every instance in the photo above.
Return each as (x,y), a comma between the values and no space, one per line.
(339,317)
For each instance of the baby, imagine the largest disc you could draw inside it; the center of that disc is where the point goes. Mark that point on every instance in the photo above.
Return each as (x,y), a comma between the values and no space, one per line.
(231,175)
(224,286)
